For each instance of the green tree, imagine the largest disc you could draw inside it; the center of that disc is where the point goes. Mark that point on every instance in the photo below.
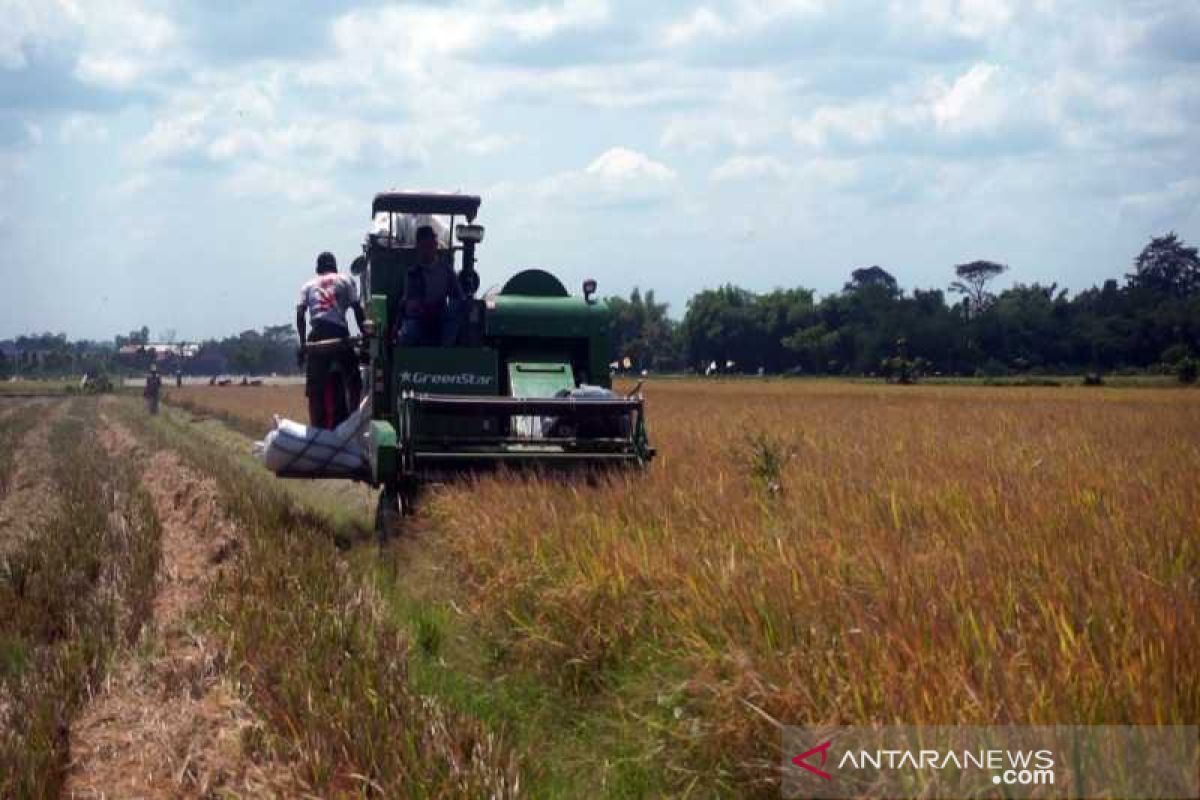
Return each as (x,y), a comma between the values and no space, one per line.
(722,325)
(813,347)
(642,331)
(865,278)
(1167,265)
(973,278)
(1027,327)
(780,313)
(868,316)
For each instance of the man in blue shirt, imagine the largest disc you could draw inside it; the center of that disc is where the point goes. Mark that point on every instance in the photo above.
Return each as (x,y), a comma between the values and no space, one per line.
(428,286)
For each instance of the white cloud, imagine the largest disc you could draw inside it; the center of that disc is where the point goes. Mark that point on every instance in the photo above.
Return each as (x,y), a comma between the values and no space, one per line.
(1091,112)
(116,42)
(618,176)
(80,127)
(174,137)
(27,24)
(974,19)
(420,63)
(984,102)
(123,41)
(230,119)
(489,144)
(620,164)
(623,87)
(696,132)
(809,176)
(409,37)
(703,22)
(399,84)
(324,142)
(544,21)
(417,63)
(750,167)
(744,18)
(968,104)
(297,187)
(1183,193)
(217,117)
(859,123)
(134,184)
(747,108)
(108,70)
(829,172)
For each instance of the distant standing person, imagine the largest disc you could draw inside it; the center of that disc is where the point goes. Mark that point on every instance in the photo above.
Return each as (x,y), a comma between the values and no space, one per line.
(152,389)
(178,379)
(331,378)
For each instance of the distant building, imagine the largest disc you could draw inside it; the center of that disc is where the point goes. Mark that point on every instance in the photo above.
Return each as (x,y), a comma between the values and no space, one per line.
(162,350)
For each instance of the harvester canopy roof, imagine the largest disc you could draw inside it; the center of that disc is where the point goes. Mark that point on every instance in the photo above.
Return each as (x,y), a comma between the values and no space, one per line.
(402,228)
(426,203)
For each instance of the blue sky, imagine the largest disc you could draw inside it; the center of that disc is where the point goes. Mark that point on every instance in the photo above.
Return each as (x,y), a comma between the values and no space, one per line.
(180,165)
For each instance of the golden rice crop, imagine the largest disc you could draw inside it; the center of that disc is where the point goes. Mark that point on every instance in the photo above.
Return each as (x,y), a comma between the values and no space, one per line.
(248,408)
(837,553)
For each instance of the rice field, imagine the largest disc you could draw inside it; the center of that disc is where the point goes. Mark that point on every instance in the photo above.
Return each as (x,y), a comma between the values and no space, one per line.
(822,552)
(799,553)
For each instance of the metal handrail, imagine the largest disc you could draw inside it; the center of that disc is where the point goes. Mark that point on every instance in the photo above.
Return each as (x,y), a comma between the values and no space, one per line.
(523,406)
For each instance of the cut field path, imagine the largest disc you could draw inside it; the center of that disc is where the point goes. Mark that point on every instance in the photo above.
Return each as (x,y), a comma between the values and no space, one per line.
(27,499)
(170,721)
(75,589)
(348,506)
(323,663)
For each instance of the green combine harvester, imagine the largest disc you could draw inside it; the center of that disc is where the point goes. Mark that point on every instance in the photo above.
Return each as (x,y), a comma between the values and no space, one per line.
(526,383)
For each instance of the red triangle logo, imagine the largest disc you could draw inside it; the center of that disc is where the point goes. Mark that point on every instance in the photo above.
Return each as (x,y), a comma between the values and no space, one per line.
(821,749)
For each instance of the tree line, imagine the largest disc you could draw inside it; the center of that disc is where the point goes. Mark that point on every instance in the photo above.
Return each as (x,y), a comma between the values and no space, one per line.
(271,350)
(1149,320)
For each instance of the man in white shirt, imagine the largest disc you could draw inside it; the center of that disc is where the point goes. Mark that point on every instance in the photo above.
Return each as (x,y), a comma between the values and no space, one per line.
(331,374)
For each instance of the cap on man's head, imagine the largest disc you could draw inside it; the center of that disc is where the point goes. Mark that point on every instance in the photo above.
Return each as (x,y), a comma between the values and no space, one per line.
(425,232)
(326,263)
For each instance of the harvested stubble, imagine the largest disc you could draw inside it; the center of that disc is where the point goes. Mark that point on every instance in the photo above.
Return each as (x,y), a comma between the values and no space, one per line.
(79,588)
(324,667)
(17,418)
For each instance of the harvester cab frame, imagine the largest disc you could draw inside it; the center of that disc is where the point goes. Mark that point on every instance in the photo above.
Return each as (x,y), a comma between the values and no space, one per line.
(525,383)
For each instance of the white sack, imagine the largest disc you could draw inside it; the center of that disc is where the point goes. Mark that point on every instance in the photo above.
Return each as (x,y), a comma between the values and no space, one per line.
(297,449)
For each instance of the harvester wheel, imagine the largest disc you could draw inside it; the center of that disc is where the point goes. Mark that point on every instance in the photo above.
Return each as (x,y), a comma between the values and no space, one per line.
(408,497)
(388,514)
